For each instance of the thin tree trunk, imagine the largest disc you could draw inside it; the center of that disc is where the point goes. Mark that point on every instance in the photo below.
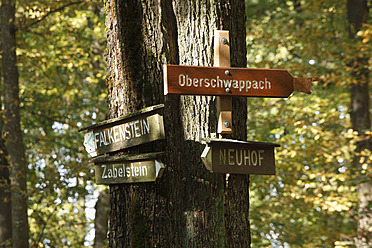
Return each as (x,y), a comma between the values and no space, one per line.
(5,204)
(13,133)
(188,206)
(5,196)
(360,119)
(101,220)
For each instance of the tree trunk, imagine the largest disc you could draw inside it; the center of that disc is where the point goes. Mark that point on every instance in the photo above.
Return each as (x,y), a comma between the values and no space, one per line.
(13,133)
(188,206)
(101,220)
(360,119)
(5,204)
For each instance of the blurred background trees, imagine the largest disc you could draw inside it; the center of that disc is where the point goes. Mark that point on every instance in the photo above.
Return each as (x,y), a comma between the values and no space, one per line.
(60,59)
(325,155)
(324,160)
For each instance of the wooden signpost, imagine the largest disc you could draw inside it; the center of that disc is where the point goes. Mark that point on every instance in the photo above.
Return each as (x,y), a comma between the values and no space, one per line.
(136,168)
(129,172)
(219,155)
(221,58)
(230,81)
(239,157)
(127,131)
(223,81)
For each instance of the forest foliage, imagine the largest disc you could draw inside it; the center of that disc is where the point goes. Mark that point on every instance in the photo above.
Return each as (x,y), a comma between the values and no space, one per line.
(311,202)
(60,53)
(313,199)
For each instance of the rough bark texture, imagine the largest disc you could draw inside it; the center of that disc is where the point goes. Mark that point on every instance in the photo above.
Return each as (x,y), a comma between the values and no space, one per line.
(188,206)
(13,133)
(360,118)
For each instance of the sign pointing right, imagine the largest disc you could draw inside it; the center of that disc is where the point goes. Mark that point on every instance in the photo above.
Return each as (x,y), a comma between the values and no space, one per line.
(232,81)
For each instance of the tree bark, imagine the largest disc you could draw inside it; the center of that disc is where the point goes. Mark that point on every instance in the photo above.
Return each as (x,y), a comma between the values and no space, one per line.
(101,220)
(188,206)
(5,204)
(360,119)
(13,133)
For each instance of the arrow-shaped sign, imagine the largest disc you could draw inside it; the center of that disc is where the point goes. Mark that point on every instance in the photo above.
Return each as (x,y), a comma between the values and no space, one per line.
(90,144)
(198,80)
(129,172)
(239,157)
(137,128)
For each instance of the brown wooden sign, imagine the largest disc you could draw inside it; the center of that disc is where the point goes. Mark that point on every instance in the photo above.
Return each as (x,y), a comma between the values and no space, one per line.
(239,157)
(129,172)
(198,80)
(115,134)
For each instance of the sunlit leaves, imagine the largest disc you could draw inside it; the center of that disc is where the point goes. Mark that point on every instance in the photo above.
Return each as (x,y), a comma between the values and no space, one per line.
(313,169)
(366,33)
(312,200)
(61,64)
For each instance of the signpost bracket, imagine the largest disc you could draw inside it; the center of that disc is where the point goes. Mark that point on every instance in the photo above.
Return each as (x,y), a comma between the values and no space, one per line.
(224,103)
(224,110)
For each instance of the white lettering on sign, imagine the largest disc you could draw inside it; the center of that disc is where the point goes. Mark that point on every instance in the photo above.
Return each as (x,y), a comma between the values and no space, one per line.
(121,133)
(123,171)
(241,157)
(186,81)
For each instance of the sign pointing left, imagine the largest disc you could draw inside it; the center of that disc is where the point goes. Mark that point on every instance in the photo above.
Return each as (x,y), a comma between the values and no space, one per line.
(123,132)
(239,157)
(90,144)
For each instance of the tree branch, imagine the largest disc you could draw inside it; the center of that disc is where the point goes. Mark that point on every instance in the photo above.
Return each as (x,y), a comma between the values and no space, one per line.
(49,13)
